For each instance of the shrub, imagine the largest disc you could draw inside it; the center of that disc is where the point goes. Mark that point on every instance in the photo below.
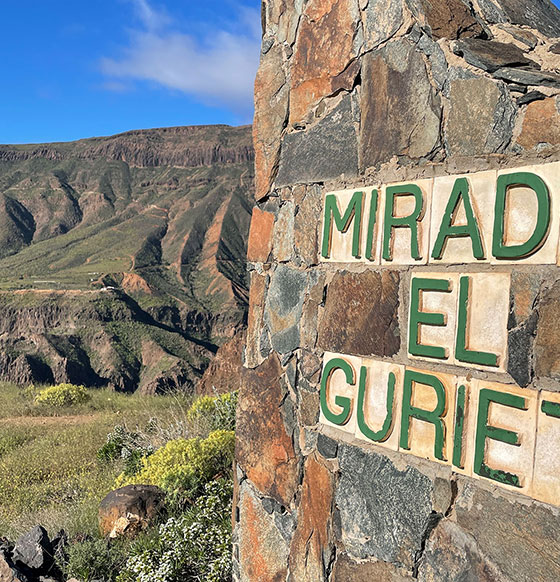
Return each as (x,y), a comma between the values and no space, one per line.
(62,395)
(183,466)
(95,560)
(127,445)
(217,412)
(193,547)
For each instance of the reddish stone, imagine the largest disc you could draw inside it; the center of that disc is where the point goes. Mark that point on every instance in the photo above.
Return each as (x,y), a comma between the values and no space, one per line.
(271,111)
(311,538)
(265,450)
(323,51)
(260,236)
(346,569)
(541,124)
(449,19)
(255,319)
(263,554)
(361,314)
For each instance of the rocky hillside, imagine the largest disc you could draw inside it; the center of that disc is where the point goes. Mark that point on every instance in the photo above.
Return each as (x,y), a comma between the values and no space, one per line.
(122,259)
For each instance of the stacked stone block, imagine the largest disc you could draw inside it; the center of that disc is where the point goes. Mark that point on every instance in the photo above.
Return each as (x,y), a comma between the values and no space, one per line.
(352,95)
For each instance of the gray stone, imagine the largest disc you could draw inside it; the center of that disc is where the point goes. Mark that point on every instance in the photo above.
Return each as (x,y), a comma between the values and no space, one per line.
(284,304)
(401,111)
(490,55)
(523,542)
(520,352)
(303,158)
(34,550)
(383,18)
(383,512)
(539,14)
(555,48)
(528,77)
(327,446)
(437,60)
(452,556)
(481,117)
(530,97)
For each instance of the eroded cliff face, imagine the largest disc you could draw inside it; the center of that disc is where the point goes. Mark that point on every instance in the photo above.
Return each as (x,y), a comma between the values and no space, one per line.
(146,229)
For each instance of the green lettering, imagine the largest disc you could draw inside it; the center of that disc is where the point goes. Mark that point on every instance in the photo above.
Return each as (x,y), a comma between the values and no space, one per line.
(449,230)
(462,353)
(483,432)
(459,428)
(434,416)
(345,403)
(551,408)
(410,221)
(418,317)
(537,239)
(353,213)
(371,224)
(385,431)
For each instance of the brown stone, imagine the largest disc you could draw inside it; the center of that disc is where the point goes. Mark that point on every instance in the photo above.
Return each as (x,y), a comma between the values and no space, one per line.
(453,555)
(260,236)
(271,111)
(481,117)
(400,109)
(547,345)
(9,573)
(447,18)
(310,547)
(265,450)
(255,321)
(322,52)
(308,407)
(541,124)
(130,510)
(224,372)
(346,570)
(306,227)
(361,314)
(283,238)
(263,553)
(523,542)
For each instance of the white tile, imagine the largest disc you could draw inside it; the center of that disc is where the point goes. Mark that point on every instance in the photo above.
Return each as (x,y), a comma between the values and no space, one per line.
(503,456)
(375,401)
(546,476)
(482,192)
(521,209)
(400,238)
(336,385)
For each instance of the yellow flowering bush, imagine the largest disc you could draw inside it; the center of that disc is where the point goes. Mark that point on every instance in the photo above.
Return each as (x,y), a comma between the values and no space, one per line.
(183,466)
(62,395)
(218,412)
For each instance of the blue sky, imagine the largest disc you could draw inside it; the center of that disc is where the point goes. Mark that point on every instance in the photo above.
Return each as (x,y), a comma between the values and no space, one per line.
(79,68)
(73,69)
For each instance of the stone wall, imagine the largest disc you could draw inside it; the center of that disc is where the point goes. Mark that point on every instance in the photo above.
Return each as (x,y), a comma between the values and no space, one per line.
(353,95)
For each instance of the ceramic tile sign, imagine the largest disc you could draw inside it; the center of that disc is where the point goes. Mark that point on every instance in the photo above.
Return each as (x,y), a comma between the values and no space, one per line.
(488,430)
(497,432)
(505,217)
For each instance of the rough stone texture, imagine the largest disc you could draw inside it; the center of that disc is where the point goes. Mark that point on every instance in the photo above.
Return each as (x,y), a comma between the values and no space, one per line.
(263,551)
(523,76)
(533,534)
(346,569)
(370,301)
(303,152)
(273,466)
(130,510)
(310,548)
(541,124)
(8,573)
(33,550)
(540,14)
(306,227)
(481,118)
(283,239)
(322,52)
(490,55)
(382,20)
(408,124)
(260,236)
(383,512)
(453,556)
(284,306)
(224,372)
(253,356)
(271,113)
(446,19)
(547,346)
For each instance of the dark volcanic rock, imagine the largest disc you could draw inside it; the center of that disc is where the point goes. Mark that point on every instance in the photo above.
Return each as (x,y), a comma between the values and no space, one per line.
(34,550)
(446,18)
(490,55)
(523,76)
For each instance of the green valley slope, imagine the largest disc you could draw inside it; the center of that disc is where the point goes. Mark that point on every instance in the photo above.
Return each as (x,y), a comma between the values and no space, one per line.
(122,259)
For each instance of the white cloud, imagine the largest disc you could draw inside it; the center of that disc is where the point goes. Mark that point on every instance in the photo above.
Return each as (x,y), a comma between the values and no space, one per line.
(218,70)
